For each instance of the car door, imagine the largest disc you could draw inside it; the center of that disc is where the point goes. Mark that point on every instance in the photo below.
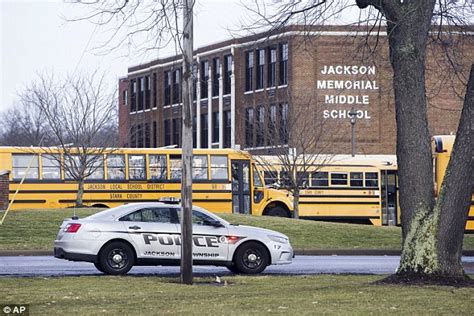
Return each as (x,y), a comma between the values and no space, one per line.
(154,232)
(209,240)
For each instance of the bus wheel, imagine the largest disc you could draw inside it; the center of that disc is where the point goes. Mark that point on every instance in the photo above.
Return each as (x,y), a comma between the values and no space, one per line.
(116,258)
(277,211)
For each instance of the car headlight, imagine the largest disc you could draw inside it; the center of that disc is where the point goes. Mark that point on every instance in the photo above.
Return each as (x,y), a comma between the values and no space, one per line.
(279,239)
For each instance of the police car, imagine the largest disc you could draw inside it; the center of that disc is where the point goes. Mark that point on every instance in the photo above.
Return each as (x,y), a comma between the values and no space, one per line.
(149,234)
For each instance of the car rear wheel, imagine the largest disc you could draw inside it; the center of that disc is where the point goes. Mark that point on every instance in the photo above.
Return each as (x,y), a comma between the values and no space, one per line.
(116,258)
(251,258)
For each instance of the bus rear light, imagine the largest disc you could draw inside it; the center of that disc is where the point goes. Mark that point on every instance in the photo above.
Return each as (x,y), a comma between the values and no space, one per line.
(72,228)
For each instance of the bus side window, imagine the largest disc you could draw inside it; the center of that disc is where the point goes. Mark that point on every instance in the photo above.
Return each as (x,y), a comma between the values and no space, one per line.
(303,178)
(175,167)
(357,179)
(371,180)
(116,167)
(257,182)
(219,168)
(199,167)
(157,167)
(338,178)
(319,179)
(69,162)
(51,166)
(20,166)
(96,167)
(285,179)
(136,167)
(270,177)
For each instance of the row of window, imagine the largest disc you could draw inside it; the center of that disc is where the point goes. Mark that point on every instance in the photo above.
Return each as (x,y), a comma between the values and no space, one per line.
(140,92)
(204,167)
(140,88)
(262,64)
(172,80)
(326,179)
(266,126)
(215,130)
(146,135)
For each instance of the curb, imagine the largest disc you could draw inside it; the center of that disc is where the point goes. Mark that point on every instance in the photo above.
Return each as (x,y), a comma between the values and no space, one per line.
(347,252)
(299,252)
(25,253)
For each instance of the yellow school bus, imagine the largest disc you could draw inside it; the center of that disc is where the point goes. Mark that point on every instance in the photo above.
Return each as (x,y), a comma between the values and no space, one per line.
(442,148)
(224,180)
(360,189)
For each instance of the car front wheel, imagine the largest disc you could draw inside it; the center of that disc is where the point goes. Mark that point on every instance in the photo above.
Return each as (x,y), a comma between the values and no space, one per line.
(98,266)
(116,258)
(251,258)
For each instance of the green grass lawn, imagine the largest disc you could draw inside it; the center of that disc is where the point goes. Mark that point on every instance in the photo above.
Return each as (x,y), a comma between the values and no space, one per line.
(37,229)
(243,295)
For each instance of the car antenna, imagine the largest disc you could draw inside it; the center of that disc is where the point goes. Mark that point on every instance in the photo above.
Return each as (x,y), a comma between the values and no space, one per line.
(74,216)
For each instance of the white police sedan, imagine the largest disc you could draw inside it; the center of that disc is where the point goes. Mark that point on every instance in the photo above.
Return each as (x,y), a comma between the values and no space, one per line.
(149,234)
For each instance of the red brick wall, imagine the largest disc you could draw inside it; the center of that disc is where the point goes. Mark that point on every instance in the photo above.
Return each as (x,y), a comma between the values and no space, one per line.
(307,58)
(4,189)
(444,89)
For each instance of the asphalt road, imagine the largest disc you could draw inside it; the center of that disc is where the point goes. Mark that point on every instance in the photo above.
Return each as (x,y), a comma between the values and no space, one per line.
(46,266)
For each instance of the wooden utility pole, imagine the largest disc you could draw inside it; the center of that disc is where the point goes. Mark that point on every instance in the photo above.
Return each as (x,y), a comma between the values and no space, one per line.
(187,141)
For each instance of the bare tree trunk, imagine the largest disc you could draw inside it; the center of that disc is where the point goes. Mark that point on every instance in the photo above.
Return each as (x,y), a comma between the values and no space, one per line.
(453,208)
(80,192)
(186,183)
(407,56)
(432,233)
(296,201)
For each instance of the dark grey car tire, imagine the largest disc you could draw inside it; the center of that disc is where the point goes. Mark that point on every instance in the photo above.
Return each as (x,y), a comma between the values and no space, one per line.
(98,266)
(251,258)
(233,269)
(116,258)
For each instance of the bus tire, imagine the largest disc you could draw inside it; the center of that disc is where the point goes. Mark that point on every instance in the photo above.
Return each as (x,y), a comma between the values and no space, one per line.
(251,258)
(116,258)
(278,211)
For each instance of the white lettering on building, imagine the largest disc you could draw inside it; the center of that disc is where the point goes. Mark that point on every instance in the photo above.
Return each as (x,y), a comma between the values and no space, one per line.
(337,96)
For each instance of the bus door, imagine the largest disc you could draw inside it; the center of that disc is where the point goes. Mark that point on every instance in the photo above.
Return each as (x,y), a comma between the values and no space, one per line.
(240,186)
(389,197)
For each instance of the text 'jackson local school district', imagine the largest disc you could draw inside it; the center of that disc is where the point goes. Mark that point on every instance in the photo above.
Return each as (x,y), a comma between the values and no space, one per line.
(338,102)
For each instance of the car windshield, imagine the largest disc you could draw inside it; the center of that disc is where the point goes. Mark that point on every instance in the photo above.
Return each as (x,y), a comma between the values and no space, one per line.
(201,216)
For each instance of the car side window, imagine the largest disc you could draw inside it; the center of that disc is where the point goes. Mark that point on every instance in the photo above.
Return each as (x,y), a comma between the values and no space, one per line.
(199,218)
(151,215)
(162,215)
(132,217)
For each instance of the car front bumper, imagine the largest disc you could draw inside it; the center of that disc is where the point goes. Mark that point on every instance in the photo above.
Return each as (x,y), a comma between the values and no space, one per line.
(281,253)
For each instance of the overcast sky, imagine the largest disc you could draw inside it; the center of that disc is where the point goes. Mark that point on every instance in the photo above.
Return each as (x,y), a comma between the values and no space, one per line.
(35,38)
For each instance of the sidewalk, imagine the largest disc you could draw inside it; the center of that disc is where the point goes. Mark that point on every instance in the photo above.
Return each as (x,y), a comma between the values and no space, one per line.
(300,252)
